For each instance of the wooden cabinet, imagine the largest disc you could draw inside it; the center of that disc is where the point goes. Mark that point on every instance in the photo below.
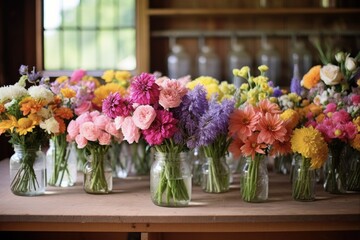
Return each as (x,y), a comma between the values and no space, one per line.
(217,20)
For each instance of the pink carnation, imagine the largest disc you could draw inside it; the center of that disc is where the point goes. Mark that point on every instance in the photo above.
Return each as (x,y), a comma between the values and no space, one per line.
(81,141)
(77,75)
(331,107)
(101,121)
(355,98)
(351,130)
(89,131)
(104,138)
(130,131)
(143,116)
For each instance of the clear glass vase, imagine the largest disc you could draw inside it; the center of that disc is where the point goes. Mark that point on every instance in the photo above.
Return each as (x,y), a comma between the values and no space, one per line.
(61,162)
(215,175)
(335,176)
(304,179)
(196,160)
(254,179)
(352,169)
(27,171)
(97,171)
(170,180)
(282,163)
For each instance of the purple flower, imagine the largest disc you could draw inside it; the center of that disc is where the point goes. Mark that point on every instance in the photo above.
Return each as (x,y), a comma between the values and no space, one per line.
(163,127)
(192,107)
(277,92)
(295,86)
(114,105)
(34,76)
(214,122)
(144,90)
(23,70)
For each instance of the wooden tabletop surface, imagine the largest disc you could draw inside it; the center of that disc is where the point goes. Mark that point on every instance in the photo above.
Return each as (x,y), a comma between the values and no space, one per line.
(129,208)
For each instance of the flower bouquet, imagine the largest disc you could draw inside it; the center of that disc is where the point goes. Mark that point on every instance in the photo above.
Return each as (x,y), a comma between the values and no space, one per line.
(310,153)
(29,117)
(95,131)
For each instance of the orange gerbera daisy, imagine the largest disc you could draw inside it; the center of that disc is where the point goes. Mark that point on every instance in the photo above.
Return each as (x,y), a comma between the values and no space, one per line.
(243,122)
(235,147)
(30,105)
(265,106)
(251,146)
(271,128)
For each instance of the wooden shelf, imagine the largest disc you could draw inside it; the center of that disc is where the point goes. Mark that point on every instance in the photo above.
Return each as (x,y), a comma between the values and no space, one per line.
(249,11)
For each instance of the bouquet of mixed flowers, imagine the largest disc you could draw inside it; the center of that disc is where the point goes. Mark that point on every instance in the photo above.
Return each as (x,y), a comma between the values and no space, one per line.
(30,116)
(95,131)
(257,131)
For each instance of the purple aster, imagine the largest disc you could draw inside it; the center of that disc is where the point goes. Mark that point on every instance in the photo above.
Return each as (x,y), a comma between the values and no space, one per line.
(144,90)
(163,127)
(277,92)
(114,105)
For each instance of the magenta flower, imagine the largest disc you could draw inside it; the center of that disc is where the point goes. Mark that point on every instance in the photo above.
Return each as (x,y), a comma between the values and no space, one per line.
(144,90)
(163,127)
(114,105)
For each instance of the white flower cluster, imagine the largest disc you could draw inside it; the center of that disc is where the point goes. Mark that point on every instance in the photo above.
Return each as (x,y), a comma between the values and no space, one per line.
(41,92)
(8,93)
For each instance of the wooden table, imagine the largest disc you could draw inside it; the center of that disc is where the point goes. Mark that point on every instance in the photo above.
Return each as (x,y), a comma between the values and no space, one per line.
(209,216)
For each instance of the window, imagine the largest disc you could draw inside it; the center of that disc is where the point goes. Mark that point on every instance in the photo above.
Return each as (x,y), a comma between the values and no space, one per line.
(89,34)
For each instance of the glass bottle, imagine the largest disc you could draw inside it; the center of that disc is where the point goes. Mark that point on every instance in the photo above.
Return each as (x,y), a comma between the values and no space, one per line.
(98,177)
(237,58)
(170,180)
(254,179)
(209,63)
(61,162)
(270,57)
(300,56)
(303,179)
(179,62)
(215,175)
(27,171)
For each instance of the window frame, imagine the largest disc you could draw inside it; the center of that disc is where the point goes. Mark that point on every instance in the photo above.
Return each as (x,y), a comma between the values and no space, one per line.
(141,39)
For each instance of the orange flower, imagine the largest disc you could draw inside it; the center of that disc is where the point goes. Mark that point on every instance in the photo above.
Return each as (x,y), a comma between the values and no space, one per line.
(64,112)
(2,108)
(25,125)
(243,122)
(280,148)
(320,118)
(311,78)
(235,147)
(251,146)
(267,106)
(271,128)
(68,92)
(62,125)
(30,105)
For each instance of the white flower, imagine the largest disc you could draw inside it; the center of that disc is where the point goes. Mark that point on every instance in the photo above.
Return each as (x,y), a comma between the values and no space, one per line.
(8,93)
(350,64)
(40,92)
(50,125)
(44,113)
(340,57)
(9,104)
(331,74)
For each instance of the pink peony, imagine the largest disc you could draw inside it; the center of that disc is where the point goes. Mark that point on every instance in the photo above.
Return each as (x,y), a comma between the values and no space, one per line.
(94,114)
(169,98)
(81,141)
(143,116)
(89,131)
(130,131)
(73,130)
(84,117)
(84,107)
(110,128)
(104,138)
(77,75)
(101,121)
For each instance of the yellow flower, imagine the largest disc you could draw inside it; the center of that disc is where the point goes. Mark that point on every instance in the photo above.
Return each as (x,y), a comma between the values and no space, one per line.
(92,79)
(356,121)
(203,80)
(244,72)
(244,86)
(103,91)
(25,125)
(8,124)
(294,97)
(122,75)
(108,75)
(227,88)
(290,116)
(212,89)
(68,92)
(263,68)
(355,143)
(262,96)
(309,142)
(61,79)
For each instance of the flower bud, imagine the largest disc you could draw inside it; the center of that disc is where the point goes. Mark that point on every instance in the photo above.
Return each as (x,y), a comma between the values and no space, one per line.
(350,64)
(244,72)
(340,57)
(263,68)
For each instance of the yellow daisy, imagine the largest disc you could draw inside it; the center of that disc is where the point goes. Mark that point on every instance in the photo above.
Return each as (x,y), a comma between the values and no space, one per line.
(25,125)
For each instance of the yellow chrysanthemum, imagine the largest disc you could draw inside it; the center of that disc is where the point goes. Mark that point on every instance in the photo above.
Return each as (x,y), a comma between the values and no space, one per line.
(122,75)
(61,79)
(291,117)
(309,142)
(108,75)
(355,143)
(68,92)
(312,77)
(103,92)
(25,125)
